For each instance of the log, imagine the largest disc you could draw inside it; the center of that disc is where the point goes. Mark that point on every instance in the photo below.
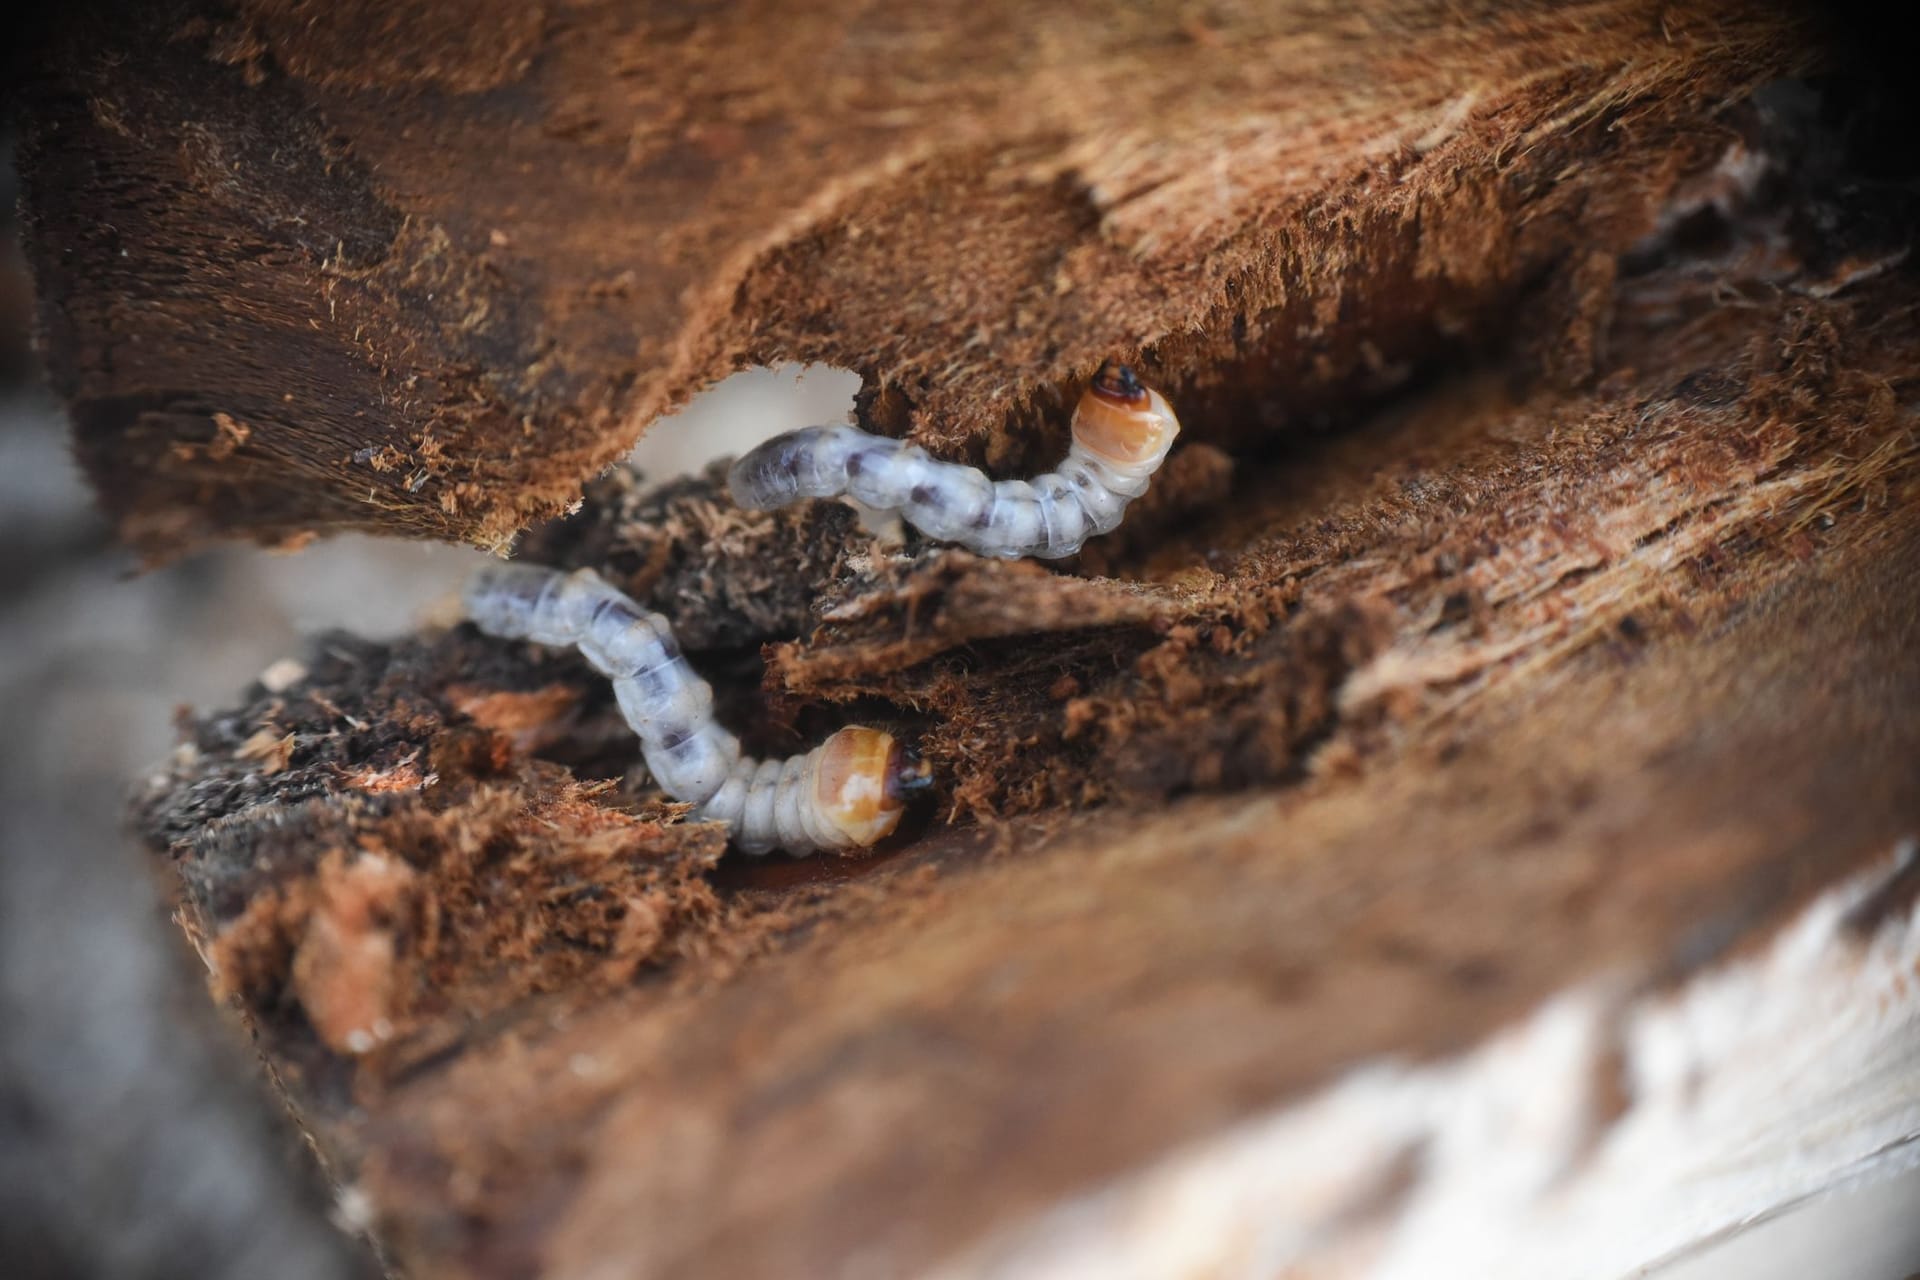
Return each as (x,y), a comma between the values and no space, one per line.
(1477,787)
(1517,697)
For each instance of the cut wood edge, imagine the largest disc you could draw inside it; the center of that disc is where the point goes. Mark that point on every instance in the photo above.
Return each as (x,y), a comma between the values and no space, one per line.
(1610,1132)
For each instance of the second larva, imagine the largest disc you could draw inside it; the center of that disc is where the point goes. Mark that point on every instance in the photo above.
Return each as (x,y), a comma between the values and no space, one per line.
(1121,433)
(846,793)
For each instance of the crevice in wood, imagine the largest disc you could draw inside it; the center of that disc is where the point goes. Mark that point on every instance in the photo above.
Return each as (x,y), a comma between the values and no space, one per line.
(1362,747)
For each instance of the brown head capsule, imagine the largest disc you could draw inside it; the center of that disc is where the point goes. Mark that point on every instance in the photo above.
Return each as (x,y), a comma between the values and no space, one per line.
(1122,421)
(862,782)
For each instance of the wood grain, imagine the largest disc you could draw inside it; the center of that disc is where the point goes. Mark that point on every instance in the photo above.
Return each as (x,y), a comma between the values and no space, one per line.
(305,268)
(1508,691)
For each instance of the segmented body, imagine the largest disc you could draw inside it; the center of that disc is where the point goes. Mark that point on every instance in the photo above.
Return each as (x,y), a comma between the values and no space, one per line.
(846,793)
(1121,433)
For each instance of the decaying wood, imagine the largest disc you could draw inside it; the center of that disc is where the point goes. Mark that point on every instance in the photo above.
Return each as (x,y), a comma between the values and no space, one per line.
(1579,660)
(426,268)
(1541,677)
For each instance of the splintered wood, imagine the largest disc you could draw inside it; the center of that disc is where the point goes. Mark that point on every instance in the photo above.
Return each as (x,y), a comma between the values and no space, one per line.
(426,268)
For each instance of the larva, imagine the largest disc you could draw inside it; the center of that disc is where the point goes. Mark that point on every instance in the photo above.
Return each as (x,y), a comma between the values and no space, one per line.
(1121,433)
(846,793)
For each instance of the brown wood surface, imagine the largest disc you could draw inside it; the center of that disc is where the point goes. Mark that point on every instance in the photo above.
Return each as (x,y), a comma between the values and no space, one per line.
(425,268)
(1512,687)
(1531,600)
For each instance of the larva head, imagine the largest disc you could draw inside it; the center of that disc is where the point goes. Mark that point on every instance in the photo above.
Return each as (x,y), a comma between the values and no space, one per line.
(1123,422)
(863,782)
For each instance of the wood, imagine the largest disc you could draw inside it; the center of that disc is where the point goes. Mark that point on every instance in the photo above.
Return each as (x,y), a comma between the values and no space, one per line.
(1575,661)
(424,269)
(1511,691)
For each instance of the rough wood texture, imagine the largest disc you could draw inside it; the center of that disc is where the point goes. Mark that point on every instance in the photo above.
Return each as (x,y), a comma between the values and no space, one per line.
(1556,670)
(426,268)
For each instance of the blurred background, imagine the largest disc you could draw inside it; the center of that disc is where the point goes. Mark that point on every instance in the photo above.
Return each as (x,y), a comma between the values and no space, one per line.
(136,1137)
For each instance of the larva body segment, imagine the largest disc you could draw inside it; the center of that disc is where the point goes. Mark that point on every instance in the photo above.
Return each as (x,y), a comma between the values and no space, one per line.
(1121,433)
(847,793)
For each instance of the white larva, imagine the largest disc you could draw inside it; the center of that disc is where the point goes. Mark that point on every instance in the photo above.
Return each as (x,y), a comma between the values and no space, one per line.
(1121,433)
(846,793)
